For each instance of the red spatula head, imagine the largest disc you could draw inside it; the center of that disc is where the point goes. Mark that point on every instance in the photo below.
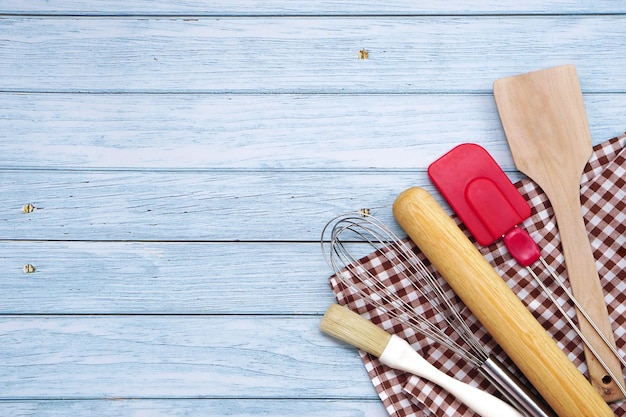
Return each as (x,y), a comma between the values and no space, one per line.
(479,192)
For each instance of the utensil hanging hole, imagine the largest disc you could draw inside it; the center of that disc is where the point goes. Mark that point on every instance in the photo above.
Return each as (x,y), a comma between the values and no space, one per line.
(606,379)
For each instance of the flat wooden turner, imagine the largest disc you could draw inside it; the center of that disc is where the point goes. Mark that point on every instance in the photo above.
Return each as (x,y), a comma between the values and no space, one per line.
(545,123)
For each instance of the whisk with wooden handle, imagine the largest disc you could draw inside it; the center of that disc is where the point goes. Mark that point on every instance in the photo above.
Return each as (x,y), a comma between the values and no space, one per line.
(395,352)
(414,285)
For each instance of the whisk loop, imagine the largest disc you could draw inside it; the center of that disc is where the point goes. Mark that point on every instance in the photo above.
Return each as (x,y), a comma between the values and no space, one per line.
(399,283)
(413,275)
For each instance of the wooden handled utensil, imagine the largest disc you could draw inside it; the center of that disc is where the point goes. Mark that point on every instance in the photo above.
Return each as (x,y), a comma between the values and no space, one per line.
(544,120)
(499,310)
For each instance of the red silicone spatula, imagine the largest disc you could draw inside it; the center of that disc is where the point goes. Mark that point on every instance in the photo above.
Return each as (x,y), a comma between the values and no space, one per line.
(479,192)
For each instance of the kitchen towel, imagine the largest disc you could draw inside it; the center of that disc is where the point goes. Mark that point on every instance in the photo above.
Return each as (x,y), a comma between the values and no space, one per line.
(603,197)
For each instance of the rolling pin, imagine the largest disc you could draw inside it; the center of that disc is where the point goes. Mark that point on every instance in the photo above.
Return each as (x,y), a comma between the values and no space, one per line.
(499,310)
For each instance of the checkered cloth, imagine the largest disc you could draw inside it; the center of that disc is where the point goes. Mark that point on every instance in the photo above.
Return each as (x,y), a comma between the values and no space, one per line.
(603,196)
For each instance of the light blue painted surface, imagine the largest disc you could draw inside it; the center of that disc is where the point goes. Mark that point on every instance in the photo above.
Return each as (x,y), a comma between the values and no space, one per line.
(182,158)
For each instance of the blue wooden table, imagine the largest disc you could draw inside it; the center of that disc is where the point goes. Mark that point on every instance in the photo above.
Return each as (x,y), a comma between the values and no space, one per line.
(168,166)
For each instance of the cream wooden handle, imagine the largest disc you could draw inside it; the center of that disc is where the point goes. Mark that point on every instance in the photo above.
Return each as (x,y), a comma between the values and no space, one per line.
(501,312)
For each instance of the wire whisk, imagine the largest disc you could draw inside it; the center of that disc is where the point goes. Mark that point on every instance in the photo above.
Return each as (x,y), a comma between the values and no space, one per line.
(397,283)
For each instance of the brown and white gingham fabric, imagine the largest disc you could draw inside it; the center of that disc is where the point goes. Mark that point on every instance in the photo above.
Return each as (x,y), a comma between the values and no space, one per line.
(603,196)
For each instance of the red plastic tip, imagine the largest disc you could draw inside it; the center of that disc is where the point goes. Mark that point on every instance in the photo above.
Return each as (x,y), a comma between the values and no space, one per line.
(522,247)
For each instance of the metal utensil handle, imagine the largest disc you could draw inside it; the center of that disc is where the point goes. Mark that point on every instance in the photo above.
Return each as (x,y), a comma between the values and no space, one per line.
(520,396)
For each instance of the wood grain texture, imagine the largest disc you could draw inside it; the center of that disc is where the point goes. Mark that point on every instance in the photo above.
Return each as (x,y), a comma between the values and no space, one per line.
(175,357)
(121,407)
(300,7)
(314,132)
(191,206)
(182,157)
(302,55)
(163,278)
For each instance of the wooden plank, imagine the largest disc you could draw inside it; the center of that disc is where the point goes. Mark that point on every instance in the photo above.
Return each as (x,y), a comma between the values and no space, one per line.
(300,7)
(191,206)
(164,278)
(303,55)
(259,131)
(366,407)
(175,357)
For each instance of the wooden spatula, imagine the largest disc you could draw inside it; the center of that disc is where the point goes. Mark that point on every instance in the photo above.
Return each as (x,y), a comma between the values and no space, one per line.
(545,123)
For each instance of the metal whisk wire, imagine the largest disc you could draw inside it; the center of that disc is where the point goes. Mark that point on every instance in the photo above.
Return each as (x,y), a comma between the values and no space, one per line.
(392,287)
(398,256)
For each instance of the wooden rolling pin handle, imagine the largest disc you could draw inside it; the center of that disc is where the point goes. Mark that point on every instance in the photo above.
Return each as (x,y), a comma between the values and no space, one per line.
(486,294)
